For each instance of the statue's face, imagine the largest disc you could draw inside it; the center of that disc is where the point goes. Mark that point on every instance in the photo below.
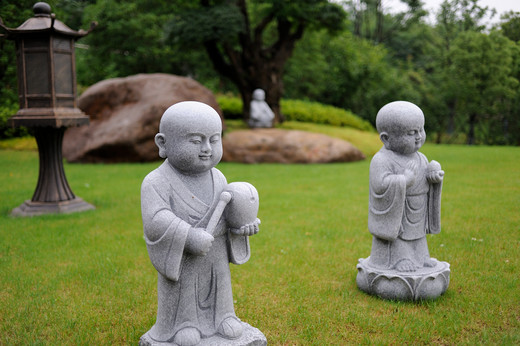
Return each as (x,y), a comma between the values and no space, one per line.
(407,138)
(192,141)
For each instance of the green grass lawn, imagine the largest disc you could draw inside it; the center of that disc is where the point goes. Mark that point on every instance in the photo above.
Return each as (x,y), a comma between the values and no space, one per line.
(86,278)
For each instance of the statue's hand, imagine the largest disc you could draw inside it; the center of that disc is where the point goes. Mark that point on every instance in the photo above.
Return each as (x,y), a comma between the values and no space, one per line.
(199,241)
(435,177)
(249,229)
(409,177)
(410,173)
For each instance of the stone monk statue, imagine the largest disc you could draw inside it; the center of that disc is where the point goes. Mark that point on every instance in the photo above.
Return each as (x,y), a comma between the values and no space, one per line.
(188,242)
(261,114)
(404,206)
(405,191)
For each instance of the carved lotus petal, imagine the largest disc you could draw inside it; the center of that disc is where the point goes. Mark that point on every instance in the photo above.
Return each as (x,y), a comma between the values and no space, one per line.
(392,287)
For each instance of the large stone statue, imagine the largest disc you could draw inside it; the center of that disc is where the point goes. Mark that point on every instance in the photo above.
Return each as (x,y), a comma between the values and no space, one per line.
(404,206)
(260,113)
(189,243)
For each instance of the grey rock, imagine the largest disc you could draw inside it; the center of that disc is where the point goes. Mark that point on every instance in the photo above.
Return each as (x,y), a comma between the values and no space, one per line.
(286,146)
(124,116)
(195,224)
(404,206)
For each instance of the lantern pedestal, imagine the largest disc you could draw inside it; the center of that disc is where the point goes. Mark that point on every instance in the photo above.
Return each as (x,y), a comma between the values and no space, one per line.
(53,194)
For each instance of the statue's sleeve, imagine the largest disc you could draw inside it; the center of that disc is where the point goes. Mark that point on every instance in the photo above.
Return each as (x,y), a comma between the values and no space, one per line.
(239,250)
(386,199)
(434,208)
(165,233)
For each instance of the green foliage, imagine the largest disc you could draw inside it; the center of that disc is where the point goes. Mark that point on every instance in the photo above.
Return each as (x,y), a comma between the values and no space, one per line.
(314,112)
(7,110)
(231,106)
(302,111)
(13,14)
(195,26)
(86,279)
(347,72)
(484,85)
(510,25)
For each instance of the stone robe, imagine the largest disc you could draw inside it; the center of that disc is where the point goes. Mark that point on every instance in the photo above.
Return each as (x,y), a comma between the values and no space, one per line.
(399,217)
(193,291)
(260,114)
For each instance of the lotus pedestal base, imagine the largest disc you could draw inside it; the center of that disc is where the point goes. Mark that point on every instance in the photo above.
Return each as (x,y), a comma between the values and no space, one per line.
(251,336)
(425,283)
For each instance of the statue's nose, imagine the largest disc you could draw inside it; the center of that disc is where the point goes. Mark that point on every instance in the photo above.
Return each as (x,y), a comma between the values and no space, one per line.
(206,147)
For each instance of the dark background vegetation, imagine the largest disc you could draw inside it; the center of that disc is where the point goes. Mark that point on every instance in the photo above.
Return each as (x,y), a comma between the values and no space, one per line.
(462,71)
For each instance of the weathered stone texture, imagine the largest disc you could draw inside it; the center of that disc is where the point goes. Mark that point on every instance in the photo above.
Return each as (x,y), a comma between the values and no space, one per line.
(286,146)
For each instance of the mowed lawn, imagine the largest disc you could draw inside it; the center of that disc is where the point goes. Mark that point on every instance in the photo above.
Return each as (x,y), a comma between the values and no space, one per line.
(85,278)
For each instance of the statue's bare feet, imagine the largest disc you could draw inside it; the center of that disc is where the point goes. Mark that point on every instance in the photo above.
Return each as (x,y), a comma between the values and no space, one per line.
(230,328)
(428,262)
(187,337)
(405,265)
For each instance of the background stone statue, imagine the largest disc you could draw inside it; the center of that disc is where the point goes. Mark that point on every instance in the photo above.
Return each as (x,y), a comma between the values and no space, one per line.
(404,206)
(188,242)
(261,115)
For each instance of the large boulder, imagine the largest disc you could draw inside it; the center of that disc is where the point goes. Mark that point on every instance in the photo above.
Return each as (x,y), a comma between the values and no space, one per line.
(286,146)
(124,117)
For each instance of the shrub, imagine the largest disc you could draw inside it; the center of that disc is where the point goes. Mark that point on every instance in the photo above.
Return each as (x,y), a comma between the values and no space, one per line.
(318,113)
(231,106)
(303,111)
(7,110)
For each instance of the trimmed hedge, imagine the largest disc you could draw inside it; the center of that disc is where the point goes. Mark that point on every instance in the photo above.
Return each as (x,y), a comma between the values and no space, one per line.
(303,111)
(231,106)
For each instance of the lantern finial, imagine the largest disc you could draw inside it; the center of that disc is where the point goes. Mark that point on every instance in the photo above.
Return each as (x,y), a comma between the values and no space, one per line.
(42,9)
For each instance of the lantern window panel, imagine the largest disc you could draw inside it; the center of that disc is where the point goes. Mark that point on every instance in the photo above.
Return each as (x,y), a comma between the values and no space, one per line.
(62,44)
(63,81)
(37,73)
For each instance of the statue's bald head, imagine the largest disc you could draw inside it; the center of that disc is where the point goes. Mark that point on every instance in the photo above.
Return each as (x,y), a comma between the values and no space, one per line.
(184,116)
(397,115)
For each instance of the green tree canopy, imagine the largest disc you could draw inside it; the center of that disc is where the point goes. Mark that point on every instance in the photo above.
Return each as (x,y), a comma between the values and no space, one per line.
(249,42)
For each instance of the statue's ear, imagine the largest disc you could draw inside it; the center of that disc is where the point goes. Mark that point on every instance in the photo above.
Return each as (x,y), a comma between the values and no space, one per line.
(160,141)
(384,137)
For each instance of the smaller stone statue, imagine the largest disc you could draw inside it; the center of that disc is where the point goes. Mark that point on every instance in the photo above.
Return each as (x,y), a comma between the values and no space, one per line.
(404,206)
(260,113)
(195,224)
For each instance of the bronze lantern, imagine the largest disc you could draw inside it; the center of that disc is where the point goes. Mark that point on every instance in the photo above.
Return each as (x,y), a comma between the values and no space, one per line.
(48,104)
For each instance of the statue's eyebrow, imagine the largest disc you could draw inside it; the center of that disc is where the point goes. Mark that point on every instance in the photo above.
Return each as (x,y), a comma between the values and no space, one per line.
(202,134)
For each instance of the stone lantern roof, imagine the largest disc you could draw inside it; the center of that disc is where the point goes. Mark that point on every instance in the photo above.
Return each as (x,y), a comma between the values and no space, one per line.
(44,21)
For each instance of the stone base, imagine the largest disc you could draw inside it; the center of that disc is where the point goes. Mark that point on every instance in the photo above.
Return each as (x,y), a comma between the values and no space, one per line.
(425,283)
(30,208)
(250,337)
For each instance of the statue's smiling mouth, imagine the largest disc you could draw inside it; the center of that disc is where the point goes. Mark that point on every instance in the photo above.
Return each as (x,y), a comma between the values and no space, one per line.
(205,157)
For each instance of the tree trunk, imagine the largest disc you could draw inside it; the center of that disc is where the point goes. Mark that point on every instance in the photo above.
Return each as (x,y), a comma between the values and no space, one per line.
(471,132)
(255,65)
(379,22)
